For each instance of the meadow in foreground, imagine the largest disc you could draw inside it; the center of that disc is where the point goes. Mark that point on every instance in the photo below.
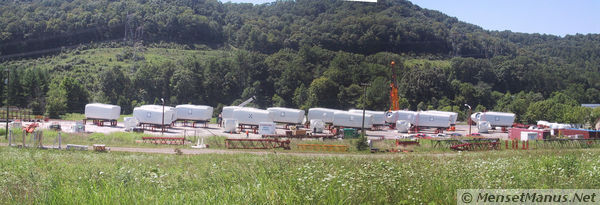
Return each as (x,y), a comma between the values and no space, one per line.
(70,177)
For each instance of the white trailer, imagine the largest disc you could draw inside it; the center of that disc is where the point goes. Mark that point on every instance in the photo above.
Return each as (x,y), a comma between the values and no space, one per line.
(324,114)
(378,116)
(194,112)
(453,115)
(152,115)
(286,115)
(353,120)
(432,120)
(496,119)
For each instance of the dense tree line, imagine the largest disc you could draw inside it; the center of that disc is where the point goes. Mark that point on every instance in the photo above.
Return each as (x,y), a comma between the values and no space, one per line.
(296,54)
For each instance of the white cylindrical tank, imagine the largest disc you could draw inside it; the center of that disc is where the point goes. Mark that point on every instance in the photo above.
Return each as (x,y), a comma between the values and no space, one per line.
(426,119)
(286,115)
(251,116)
(102,111)
(354,120)
(402,126)
(378,116)
(496,119)
(324,114)
(542,123)
(227,112)
(152,114)
(483,126)
(317,126)
(194,112)
(453,115)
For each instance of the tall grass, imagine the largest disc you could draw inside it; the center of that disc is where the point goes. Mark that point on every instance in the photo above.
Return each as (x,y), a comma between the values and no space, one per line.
(65,177)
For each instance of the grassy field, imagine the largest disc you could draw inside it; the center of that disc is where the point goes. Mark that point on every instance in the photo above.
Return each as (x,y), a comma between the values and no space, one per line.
(69,177)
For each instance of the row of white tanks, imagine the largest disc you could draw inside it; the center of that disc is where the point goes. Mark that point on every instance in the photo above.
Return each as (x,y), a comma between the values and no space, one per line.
(234,115)
(151,114)
(405,119)
(351,118)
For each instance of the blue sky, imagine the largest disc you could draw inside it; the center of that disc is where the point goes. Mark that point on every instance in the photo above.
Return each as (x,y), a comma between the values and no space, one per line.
(557,17)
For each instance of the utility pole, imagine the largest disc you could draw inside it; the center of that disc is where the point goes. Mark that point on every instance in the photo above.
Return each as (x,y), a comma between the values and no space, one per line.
(364,85)
(7,96)
(469,117)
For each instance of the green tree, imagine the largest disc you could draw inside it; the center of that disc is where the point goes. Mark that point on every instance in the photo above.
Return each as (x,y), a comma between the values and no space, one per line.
(321,92)
(56,101)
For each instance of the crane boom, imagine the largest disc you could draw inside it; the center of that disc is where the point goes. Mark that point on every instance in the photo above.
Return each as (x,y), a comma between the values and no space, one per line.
(394,99)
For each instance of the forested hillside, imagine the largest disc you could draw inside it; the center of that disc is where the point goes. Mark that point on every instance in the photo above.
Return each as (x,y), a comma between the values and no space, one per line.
(63,54)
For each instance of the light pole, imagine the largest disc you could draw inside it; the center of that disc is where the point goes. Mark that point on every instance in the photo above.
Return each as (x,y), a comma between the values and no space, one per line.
(469,117)
(7,96)
(364,85)
(162,127)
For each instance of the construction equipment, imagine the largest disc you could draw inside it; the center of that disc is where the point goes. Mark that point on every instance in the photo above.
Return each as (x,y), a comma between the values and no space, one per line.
(394,99)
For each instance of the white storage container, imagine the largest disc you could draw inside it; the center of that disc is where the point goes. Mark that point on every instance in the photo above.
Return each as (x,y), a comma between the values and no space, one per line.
(194,112)
(354,120)
(102,111)
(227,112)
(152,114)
(266,128)
(453,115)
(426,119)
(324,114)
(496,119)
(317,126)
(378,116)
(130,123)
(483,126)
(402,126)
(251,116)
(230,125)
(286,115)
